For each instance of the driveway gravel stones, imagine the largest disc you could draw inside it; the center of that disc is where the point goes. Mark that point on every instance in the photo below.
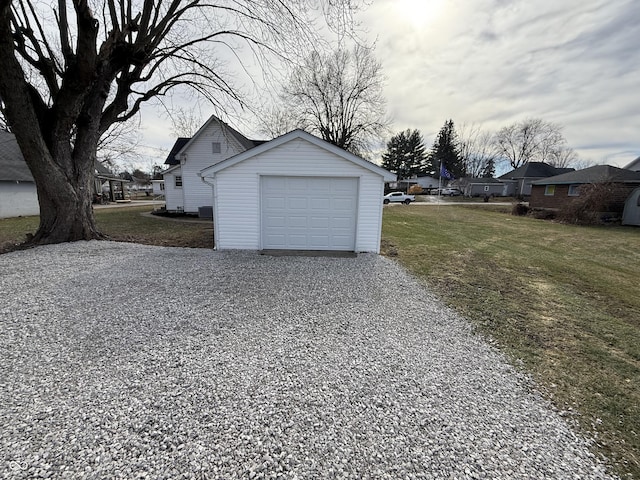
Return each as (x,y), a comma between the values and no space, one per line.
(130,361)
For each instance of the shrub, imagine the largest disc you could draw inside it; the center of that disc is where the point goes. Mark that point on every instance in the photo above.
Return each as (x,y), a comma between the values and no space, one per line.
(596,202)
(519,209)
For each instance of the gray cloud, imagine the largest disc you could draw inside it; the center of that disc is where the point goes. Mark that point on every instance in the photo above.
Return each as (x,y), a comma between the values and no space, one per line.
(493,62)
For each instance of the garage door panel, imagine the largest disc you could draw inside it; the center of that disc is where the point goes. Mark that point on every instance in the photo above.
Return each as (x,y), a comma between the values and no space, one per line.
(277,241)
(273,203)
(309,213)
(320,203)
(297,203)
(271,221)
(320,222)
(343,204)
(341,222)
(275,184)
(341,241)
(297,222)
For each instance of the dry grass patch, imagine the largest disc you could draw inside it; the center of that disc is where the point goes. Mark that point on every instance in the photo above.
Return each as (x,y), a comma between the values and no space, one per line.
(123,224)
(561,299)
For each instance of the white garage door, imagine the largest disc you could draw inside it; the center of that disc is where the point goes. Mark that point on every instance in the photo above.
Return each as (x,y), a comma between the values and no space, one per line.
(309,213)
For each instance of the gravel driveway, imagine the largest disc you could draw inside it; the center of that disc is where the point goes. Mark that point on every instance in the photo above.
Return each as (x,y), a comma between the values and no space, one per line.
(130,361)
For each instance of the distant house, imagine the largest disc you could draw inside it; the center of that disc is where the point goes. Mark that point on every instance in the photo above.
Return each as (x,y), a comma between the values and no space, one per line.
(634,165)
(555,192)
(108,186)
(524,175)
(214,142)
(18,194)
(480,187)
(158,188)
(423,181)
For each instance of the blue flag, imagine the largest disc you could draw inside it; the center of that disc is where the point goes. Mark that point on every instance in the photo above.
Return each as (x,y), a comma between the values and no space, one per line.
(444,173)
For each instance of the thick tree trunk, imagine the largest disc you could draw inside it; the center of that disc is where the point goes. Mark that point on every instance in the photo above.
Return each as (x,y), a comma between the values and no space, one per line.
(66,214)
(65,197)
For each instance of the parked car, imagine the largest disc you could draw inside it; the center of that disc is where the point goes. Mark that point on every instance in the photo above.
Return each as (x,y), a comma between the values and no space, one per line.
(451,192)
(398,197)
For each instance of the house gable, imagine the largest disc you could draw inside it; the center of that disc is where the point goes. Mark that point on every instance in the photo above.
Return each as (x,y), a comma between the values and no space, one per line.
(214,142)
(305,137)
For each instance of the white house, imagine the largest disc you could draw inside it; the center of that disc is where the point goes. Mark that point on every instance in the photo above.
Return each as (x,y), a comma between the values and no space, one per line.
(297,192)
(215,141)
(157,187)
(18,194)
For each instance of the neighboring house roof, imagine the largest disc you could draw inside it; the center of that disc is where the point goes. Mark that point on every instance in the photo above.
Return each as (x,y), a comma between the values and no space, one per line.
(535,170)
(596,174)
(171,158)
(183,143)
(478,180)
(634,165)
(103,173)
(13,168)
(299,134)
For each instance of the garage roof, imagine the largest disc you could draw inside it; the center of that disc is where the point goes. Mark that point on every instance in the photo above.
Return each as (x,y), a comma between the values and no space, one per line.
(298,134)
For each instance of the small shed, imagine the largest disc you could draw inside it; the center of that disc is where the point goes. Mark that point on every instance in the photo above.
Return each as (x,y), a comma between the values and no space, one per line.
(297,192)
(631,213)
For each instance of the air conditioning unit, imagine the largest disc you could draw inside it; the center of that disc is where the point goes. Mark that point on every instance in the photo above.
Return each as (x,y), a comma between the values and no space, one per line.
(205,212)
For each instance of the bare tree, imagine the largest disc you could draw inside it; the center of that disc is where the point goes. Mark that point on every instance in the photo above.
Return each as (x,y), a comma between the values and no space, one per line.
(532,140)
(565,156)
(71,69)
(477,149)
(185,122)
(119,142)
(275,121)
(337,96)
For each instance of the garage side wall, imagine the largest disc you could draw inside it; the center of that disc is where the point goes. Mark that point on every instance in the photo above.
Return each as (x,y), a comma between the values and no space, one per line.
(237,193)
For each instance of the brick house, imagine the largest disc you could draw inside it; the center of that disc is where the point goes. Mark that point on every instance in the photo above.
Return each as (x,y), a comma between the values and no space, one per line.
(557,191)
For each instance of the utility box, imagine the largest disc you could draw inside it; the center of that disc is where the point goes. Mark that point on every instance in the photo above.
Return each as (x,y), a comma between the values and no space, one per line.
(205,212)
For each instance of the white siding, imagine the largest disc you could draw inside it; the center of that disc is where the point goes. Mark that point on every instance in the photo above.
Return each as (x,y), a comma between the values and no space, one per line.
(18,199)
(173,197)
(237,189)
(200,156)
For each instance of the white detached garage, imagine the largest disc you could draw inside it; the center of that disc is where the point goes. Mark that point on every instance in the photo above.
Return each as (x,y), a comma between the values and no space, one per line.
(297,192)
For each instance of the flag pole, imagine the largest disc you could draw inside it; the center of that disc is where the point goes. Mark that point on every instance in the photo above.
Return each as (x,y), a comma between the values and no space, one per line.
(440,182)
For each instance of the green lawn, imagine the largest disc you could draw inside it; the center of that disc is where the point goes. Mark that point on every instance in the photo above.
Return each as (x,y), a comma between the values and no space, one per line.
(563,301)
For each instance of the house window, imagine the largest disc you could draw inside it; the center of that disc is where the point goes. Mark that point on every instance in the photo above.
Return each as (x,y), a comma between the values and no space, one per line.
(215,147)
(486,188)
(161,186)
(178,181)
(574,190)
(550,190)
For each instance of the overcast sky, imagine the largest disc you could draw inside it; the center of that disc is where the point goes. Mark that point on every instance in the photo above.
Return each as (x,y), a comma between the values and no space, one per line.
(495,62)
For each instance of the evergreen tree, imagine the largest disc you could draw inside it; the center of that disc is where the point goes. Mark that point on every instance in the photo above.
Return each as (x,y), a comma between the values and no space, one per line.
(445,151)
(489,169)
(405,155)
